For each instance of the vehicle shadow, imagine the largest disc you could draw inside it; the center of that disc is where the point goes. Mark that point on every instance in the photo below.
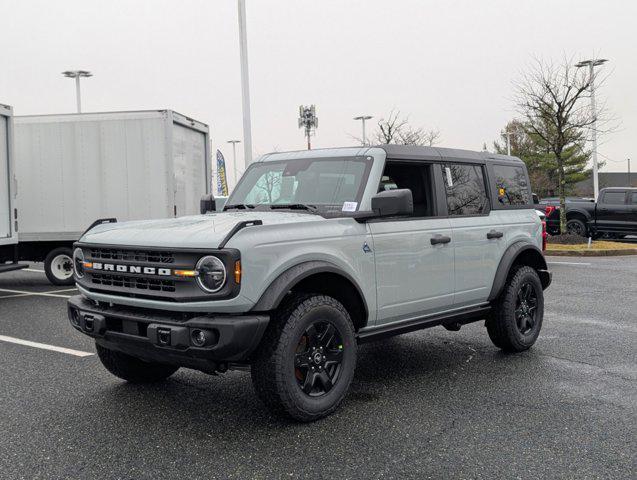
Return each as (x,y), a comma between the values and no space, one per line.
(199,404)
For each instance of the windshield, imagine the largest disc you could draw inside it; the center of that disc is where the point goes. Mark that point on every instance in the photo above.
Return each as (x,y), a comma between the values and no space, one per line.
(319,184)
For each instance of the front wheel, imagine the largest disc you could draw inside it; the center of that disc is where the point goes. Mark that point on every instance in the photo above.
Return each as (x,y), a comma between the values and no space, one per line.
(133,369)
(58,266)
(576,227)
(306,360)
(516,320)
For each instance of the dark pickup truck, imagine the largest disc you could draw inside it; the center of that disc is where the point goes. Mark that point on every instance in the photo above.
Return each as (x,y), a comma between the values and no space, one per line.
(614,215)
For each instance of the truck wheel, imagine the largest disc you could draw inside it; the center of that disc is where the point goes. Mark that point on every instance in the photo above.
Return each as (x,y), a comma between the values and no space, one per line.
(576,227)
(133,369)
(58,266)
(306,360)
(516,320)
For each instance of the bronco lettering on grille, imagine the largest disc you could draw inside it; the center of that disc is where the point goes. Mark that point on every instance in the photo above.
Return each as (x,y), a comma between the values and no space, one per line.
(111,267)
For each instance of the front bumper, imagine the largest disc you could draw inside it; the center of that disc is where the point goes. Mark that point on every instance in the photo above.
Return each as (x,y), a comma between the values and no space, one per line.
(166,337)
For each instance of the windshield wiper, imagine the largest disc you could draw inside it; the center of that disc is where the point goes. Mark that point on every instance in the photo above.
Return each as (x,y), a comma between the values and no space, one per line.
(296,206)
(238,206)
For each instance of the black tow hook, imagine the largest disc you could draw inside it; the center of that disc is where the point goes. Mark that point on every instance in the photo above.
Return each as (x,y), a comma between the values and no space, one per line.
(163,336)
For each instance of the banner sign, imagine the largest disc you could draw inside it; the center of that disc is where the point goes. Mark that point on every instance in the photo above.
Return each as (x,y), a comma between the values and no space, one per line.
(222,182)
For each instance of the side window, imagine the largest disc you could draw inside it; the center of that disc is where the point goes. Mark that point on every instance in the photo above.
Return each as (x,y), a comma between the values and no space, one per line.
(466,193)
(614,198)
(633,198)
(511,185)
(415,177)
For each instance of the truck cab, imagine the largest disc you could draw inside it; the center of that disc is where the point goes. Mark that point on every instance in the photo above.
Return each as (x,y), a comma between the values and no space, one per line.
(616,212)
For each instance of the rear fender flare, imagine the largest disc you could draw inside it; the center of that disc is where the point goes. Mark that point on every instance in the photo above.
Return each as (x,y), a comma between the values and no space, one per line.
(508,260)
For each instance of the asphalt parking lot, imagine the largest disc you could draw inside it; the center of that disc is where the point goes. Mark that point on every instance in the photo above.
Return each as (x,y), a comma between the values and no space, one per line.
(431,404)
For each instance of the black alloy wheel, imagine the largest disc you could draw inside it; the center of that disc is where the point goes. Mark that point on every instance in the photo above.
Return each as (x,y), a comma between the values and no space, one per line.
(516,317)
(576,227)
(306,360)
(319,354)
(526,308)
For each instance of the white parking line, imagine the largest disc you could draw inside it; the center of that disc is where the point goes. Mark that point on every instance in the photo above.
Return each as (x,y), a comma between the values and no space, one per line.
(22,293)
(44,346)
(568,263)
(32,270)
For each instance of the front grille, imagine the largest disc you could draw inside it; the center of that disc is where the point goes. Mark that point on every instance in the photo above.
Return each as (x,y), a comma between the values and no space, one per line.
(138,283)
(132,255)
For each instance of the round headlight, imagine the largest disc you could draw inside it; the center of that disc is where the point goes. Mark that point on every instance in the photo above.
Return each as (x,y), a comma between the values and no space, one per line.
(212,274)
(78,262)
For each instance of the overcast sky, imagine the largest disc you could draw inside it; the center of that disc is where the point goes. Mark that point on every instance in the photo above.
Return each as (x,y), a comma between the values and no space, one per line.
(447,64)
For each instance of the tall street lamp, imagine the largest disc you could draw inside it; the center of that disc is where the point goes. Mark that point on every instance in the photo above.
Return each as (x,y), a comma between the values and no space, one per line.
(245,85)
(363,119)
(591,64)
(76,74)
(234,159)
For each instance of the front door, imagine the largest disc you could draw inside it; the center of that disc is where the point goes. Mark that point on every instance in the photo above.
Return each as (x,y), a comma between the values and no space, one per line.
(414,255)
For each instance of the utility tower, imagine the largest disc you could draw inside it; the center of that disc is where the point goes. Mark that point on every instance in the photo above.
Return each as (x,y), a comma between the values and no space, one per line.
(309,121)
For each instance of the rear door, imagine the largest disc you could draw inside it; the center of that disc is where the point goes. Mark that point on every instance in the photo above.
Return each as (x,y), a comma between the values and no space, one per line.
(5,205)
(478,237)
(189,163)
(612,212)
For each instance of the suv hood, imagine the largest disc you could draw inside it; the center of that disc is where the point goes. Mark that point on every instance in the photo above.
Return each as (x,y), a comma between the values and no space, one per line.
(197,231)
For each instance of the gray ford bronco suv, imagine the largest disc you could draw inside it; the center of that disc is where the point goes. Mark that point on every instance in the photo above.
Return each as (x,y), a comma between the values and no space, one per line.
(314,253)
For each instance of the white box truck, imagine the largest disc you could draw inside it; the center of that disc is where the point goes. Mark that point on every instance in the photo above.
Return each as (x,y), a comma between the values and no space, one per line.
(8,233)
(73,169)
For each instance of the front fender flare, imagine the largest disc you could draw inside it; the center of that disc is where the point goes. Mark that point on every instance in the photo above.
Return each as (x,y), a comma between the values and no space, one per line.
(278,289)
(508,259)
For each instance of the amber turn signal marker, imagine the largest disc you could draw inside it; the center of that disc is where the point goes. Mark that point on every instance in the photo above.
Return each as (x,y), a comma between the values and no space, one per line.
(186,273)
(237,271)
(88,264)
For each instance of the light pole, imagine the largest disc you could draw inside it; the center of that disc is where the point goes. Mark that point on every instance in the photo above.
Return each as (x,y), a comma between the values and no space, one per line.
(591,64)
(76,74)
(245,86)
(309,121)
(234,158)
(363,119)
(630,184)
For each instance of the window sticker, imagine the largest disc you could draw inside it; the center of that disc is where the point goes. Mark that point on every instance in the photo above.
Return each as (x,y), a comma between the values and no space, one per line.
(449,178)
(349,206)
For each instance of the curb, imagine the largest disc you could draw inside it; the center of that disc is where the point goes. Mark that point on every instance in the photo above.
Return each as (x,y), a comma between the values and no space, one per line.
(591,253)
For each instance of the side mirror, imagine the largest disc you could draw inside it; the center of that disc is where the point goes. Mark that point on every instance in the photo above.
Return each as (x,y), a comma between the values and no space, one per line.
(207,204)
(393,202)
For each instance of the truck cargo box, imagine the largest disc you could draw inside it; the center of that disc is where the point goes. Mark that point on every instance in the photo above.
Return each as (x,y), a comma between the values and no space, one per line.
(75,168)
(8,235)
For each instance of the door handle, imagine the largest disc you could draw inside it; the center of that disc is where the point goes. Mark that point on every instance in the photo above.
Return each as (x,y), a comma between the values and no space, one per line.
(436,239)
(494,234)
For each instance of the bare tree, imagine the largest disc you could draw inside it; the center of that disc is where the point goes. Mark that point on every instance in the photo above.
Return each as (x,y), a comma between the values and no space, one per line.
(553,100)
(395,129)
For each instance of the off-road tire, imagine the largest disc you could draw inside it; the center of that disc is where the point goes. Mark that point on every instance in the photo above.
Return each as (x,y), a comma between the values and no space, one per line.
(273,369)
(133,369)
(502,326)
(48,268)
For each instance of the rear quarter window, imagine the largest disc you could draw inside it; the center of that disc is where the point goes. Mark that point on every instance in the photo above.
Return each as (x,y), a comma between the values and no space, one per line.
(511,185)
(614,198)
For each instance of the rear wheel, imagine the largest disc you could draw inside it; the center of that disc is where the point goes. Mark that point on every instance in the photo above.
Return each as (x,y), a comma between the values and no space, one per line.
(58,266)
(517,315)
(306,360)
(133,369)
